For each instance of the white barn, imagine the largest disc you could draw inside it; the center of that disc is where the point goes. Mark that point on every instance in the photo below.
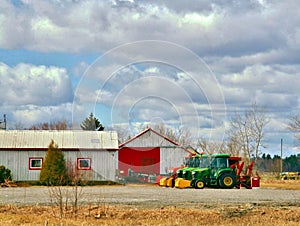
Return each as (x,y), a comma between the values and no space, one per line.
(92,152)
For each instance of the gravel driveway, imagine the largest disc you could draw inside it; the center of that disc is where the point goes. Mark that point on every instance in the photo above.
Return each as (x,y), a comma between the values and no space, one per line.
(154,196)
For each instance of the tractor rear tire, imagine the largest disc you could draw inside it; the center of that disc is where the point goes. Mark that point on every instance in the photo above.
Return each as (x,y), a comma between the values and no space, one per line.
(199,184)
(227,180)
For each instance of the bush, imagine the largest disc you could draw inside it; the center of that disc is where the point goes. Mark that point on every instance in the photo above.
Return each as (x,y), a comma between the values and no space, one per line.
(54,171)
(4,174)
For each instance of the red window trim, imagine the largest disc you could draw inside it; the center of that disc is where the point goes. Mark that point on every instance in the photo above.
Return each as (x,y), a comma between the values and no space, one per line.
(35,158)
(84,168)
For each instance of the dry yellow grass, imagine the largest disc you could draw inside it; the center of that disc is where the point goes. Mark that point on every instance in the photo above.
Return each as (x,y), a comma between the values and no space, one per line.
(124,215)
(281,184)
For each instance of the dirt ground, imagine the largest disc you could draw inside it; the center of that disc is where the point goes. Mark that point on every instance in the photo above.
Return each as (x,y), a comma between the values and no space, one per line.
(153,196)
(153,205)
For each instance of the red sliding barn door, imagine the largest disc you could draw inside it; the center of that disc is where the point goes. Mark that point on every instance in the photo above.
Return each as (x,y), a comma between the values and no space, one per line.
(141,160)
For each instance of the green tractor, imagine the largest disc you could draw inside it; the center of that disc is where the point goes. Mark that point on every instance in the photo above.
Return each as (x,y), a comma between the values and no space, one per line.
(169,181)
(216,170)
(184,175)
(221,172)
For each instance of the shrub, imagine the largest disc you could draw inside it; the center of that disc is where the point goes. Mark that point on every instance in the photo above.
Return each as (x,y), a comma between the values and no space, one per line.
(4,174)
(54,169)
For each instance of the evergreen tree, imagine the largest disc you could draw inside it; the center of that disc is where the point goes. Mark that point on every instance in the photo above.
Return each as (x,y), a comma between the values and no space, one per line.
(54,168)
(92,123)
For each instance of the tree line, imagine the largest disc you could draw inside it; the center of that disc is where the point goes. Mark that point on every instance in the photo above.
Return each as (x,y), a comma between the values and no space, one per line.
(89,123)
(266,163)
(244,136)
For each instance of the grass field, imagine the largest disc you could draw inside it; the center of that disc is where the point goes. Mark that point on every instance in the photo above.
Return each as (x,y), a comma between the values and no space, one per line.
(124,215)
(220,214)
(281,184)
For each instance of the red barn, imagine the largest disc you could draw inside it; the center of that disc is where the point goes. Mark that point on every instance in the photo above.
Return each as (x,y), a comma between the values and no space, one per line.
(149,153)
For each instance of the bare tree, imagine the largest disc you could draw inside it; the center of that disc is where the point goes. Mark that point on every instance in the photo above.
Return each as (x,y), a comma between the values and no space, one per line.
(233,147)
(246,131)
(66,198)
(123,133)
(18,126)
(210,147)
(59,125)
(180,135)
(294,126)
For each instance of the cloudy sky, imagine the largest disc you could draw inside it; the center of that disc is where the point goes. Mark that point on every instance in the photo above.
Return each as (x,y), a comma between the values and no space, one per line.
(182,63)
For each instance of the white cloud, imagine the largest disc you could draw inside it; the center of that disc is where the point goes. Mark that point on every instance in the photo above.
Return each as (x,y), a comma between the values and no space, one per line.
(272,86)
(216,28)
(29,115)
(38,85)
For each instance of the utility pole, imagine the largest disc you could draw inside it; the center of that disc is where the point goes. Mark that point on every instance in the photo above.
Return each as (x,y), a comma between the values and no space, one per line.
(4,122)
(281,155)
(4,117)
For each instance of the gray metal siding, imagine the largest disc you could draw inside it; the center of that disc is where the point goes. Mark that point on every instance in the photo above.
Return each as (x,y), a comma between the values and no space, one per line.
(18,162)
(170,158)
(103,163)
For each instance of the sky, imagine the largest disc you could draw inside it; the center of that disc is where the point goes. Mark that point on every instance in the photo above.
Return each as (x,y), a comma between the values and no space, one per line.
(190,64)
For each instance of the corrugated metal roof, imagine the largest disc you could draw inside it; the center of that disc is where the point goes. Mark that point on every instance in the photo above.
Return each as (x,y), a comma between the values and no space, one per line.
(65,139)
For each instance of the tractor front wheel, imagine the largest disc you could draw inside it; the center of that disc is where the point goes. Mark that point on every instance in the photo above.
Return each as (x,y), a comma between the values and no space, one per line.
(199,184)
(227,180)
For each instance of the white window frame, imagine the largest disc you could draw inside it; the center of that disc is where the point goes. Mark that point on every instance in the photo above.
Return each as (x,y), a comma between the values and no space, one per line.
(89,160)
(31,159)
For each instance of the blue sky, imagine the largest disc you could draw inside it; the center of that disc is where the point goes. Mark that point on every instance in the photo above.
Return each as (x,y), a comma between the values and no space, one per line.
(182,63)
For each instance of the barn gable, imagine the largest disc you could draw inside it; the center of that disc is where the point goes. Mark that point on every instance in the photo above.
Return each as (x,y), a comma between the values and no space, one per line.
(149,138)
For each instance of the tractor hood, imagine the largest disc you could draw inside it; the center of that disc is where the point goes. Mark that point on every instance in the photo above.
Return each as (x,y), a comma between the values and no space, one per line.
(185,169)
(200,169)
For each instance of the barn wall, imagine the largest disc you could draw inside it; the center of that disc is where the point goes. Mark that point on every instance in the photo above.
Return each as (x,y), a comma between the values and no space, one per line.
(171,158)
(18,162)
(103,163)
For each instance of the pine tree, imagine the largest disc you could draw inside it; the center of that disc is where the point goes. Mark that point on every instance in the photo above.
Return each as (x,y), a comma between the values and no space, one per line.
(54,168)
(92,123)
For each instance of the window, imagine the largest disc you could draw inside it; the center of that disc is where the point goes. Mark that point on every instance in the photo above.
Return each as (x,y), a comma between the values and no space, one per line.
(35,163)
(84,164)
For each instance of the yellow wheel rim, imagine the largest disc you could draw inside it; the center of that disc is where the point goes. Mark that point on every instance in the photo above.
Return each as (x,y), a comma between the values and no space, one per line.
(228,181)
(200,184)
